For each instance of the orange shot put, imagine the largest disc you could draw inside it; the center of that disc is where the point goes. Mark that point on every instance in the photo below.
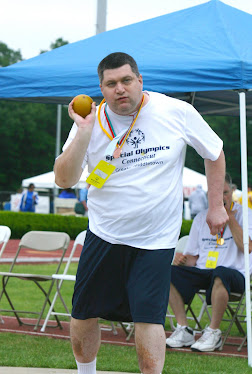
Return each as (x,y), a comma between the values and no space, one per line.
(82,105)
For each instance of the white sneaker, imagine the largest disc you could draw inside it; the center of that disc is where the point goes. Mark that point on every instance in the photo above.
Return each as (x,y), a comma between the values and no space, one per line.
(183,336)
(209,341)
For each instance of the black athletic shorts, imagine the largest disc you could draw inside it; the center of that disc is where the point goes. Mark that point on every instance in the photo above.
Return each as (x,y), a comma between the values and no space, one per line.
(122,283)
(189,280)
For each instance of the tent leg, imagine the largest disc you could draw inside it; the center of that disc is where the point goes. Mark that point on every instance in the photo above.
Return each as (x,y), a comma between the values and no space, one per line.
(58,137)
(242,98)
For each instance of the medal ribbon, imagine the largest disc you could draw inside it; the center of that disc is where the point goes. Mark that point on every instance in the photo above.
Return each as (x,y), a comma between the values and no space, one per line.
(124,138)
(218,240)
(112,145)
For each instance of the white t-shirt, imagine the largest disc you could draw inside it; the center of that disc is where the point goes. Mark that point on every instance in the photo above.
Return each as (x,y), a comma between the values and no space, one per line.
(140,205)
(200,242)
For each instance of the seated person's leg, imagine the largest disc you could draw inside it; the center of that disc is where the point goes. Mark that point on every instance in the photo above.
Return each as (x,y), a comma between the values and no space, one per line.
(224,281)
(185,282)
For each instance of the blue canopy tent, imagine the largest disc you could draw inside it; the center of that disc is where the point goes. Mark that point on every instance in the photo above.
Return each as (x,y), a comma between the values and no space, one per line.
(201,54)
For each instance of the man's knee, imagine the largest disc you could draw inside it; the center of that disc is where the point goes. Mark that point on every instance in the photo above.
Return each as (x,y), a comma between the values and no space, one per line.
(79,327)
(85,339)
(218,282)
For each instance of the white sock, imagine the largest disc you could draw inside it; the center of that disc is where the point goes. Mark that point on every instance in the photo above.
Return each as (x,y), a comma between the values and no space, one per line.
(183,326)
(210,328)
(86,368)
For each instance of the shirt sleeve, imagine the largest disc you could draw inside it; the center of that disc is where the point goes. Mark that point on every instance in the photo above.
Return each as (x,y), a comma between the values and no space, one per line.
(200,136)
(70,138)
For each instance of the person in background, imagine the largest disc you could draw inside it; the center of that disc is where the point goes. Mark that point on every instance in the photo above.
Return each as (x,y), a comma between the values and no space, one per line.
(211,264)
(249,198)
(67,193)
(197,201)
(83,196)
(235,198)
(29,199)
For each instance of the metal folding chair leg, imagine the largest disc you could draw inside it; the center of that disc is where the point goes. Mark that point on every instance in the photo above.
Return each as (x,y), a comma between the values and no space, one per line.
(234,319)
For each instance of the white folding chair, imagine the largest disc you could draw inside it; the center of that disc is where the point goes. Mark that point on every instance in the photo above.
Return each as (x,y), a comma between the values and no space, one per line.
(59,280)
(5,233)
(37,241)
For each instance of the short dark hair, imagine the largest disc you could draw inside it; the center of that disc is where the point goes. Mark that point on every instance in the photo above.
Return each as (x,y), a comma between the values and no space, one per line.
(228,180)
(31,185)
(116,60)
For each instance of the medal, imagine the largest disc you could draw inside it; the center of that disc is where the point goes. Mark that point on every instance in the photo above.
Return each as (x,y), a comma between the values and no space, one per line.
(117,152)
(219,241)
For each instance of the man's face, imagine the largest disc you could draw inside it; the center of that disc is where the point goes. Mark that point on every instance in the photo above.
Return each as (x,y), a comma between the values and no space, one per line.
(122,89)
(227,195)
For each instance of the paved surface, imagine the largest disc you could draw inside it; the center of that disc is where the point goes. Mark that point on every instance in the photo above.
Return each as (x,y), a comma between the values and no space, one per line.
(14,370)
(31,256)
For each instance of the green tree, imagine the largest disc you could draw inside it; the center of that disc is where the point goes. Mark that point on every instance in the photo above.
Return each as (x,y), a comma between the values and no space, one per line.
(27,142)
(58,43)
(28,133)
(228,129)
(8,56)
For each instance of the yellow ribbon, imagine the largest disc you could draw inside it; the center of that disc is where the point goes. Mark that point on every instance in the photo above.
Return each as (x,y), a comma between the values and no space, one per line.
(130,128)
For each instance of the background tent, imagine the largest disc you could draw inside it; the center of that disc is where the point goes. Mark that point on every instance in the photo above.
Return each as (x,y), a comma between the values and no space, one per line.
(201,54)
(47,180)
(191,179)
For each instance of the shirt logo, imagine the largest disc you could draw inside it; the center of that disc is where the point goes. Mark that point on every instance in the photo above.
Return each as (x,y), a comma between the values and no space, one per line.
(135,138)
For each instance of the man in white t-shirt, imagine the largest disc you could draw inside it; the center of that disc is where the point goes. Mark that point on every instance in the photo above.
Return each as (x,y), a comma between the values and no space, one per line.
(215,266)
(133,145)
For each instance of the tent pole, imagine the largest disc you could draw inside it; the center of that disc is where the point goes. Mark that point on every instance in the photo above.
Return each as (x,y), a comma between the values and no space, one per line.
(187,212)
(242,99)
(101,16)
(58,138)
(58,131)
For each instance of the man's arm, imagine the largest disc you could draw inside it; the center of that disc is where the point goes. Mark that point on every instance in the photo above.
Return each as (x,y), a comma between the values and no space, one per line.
(237,231)
(215,172)
(83,202)
(68,166)
(184,260)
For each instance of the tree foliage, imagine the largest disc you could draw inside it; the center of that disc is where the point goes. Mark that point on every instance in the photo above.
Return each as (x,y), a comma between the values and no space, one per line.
(58,43)
(28,133)
(27,142)
(228,129)
(8,56)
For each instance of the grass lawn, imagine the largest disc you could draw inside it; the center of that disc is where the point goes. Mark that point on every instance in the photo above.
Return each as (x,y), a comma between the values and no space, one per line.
(28,351)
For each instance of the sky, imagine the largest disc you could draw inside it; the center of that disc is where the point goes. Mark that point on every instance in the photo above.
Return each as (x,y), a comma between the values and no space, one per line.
(32,25)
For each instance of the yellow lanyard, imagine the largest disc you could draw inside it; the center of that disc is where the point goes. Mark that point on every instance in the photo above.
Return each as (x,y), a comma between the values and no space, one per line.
(129,129)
